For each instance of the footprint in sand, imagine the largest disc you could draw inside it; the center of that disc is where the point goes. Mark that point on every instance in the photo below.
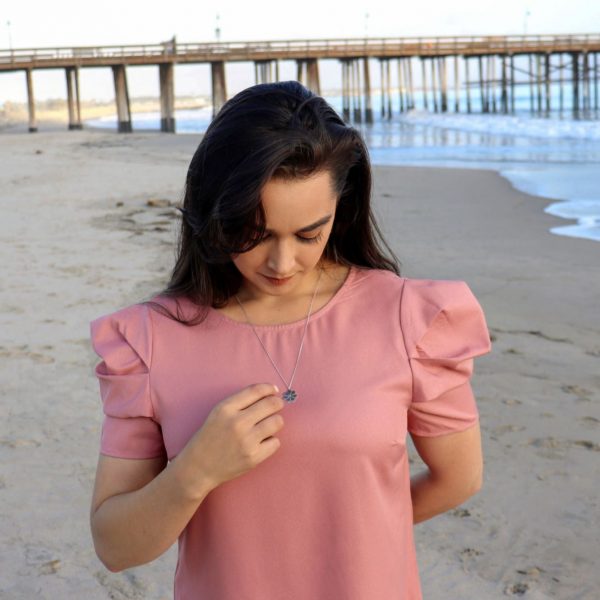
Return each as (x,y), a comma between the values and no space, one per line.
(468,556)
(500,430)
(50,567)
(507,428)
(533,576)
(122,585)
(511,402)
(12,309)
(158,202)
(576,390)
(24,352)
(551,443)
(516,589)
(42,558)
(587,445)
(19,443)
(532,572)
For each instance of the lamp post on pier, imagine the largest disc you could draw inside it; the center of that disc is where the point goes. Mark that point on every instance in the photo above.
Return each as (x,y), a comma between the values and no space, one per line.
(525,17)
(218,30)
(9,37)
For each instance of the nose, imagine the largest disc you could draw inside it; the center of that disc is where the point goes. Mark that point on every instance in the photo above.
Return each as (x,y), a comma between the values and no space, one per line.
(281,260)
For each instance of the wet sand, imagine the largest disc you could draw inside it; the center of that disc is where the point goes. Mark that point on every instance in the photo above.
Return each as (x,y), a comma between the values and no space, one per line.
(79,239)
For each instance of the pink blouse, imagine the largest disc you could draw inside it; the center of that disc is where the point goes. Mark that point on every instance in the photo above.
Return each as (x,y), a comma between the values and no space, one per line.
(329,515)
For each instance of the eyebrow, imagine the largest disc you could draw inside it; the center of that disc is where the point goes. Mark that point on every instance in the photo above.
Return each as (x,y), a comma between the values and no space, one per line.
(310,227)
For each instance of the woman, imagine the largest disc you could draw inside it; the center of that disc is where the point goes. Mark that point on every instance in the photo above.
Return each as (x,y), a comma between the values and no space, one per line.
(257,409)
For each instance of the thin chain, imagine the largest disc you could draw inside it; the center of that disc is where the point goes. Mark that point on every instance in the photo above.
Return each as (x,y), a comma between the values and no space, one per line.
(289,386)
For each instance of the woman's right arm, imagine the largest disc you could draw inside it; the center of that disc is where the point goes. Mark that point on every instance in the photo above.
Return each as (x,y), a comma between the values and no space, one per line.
(140,507)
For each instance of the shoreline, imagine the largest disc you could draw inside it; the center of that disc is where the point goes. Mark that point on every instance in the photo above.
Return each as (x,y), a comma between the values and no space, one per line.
(577,212)
(80,240)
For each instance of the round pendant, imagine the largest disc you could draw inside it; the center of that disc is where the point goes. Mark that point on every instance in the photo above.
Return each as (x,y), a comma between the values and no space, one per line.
(289,395)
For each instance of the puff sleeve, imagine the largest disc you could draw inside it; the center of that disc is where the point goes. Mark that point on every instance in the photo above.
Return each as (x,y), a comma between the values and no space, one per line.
(444,329)
(123,340)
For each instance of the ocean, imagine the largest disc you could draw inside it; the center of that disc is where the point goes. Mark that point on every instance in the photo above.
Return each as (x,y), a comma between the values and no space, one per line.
(555,156)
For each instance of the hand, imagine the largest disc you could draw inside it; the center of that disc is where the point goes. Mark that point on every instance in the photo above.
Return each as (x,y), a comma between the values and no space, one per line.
(238,434)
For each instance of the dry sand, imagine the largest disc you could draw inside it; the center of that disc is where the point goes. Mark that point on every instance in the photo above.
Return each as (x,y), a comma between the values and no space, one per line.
(78,240)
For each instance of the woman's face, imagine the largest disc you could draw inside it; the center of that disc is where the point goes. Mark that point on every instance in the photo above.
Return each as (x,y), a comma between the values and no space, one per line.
(299,218)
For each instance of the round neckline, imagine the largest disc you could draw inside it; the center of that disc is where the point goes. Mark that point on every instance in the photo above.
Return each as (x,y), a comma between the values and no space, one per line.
(313,317)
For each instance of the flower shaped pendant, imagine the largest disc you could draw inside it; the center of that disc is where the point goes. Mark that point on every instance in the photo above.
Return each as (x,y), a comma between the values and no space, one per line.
(289,395)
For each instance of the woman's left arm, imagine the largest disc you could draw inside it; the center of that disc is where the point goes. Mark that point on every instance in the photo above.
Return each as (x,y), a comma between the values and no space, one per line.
(455,468)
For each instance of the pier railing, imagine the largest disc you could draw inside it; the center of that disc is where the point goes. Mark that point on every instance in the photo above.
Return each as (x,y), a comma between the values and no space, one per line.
(315,48)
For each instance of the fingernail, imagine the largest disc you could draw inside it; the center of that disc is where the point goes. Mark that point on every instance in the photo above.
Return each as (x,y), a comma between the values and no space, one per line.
(276,389)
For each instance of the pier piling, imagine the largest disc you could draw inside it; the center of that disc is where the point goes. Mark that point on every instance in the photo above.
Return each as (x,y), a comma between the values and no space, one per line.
(512,83)
(596,75)
(560,82)
(411,87)
(355,95)
(424,82)
(314,81)
(467,84)
(307,71)
(367,79)
(30,101)
(443,83)
(434,87)
(586,82)
(73,101)
(345,90)
(531,90)
(401,88)
(167,98)
(492,80)
(538,73)
(547,79)
(266,71)
(219,90)
(122,99)
(503,89)
(388,91)
(575,68)
(382,88)
(482,91)
(456,86)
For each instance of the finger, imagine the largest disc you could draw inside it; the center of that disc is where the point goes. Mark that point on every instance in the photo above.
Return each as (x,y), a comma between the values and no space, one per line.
(267,428)
(268,447)
(263,408)
(251,394)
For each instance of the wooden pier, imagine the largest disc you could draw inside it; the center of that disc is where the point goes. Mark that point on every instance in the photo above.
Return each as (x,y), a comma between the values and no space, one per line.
(479,74)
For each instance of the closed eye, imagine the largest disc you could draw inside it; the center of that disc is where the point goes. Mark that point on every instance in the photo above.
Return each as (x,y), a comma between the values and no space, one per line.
(304,240)
(311,240)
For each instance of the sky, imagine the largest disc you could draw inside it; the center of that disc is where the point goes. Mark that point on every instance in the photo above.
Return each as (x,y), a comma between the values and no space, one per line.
(68,23)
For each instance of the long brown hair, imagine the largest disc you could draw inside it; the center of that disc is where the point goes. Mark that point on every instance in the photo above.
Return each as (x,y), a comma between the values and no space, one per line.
(279,130)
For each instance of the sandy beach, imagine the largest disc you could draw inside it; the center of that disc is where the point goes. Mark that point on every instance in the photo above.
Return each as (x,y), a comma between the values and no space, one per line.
(88,226)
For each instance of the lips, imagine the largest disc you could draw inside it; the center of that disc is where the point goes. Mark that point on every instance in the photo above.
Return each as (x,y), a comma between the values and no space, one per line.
(277,280)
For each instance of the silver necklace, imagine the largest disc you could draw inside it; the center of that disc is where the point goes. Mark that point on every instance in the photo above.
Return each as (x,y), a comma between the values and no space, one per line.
(290,394)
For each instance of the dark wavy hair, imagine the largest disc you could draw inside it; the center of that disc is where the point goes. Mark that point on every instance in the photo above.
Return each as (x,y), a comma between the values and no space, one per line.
(271,130)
